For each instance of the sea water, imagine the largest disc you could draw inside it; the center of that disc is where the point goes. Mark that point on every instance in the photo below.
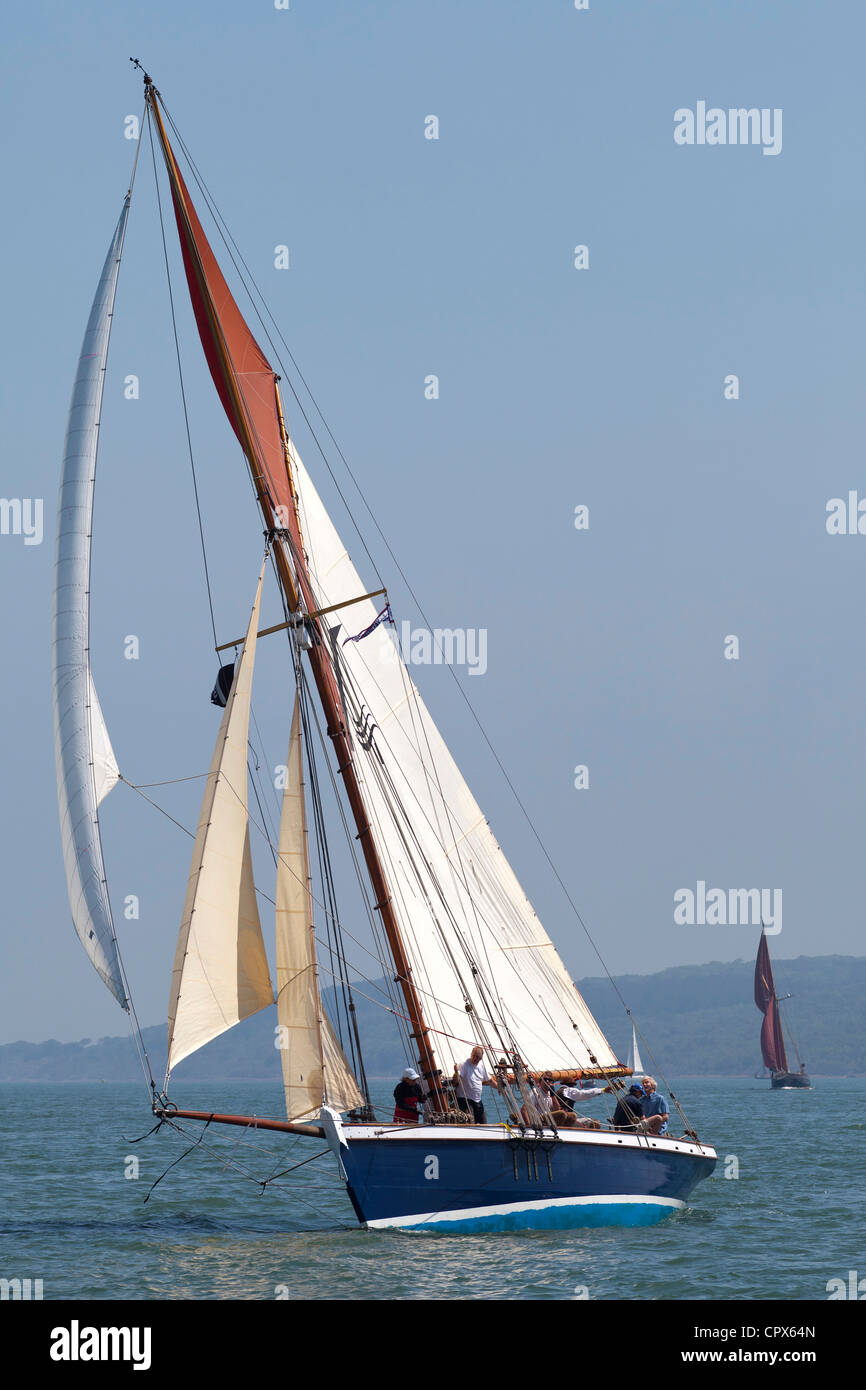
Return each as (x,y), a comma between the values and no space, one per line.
(782,1217)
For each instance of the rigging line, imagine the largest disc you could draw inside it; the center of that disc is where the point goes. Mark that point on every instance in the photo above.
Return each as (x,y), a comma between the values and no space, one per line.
(137,151)
(231,247)
(252,780)
(182,386)
(284,1171)
(441,1032)
(263,751)
(176,1161)
(170,781)
(232,1163)
(133,787)
(786,1025)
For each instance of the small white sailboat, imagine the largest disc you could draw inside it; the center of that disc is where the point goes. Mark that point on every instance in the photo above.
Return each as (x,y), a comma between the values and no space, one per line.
(463,952)
(635,1065)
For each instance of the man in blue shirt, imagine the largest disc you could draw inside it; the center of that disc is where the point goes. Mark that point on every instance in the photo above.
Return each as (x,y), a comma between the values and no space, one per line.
(654,1108)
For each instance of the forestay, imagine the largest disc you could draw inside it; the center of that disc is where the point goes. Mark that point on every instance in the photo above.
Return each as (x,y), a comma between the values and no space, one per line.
(86,767)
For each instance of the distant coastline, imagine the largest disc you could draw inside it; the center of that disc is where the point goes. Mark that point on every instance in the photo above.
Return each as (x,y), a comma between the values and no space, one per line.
(686,1016)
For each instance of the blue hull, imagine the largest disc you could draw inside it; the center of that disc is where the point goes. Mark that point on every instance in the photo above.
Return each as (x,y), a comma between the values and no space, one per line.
(471,1180)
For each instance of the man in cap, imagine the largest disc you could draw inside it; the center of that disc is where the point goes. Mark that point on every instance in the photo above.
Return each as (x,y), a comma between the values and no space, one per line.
(629,1108)
(407,1097)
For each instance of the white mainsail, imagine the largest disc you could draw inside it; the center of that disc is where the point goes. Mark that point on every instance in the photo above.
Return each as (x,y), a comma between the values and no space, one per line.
(314,1066)
(464,919)
(220,970)
(86,767)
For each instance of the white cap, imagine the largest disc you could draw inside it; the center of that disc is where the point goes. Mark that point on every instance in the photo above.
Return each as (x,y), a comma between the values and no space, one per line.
(410,1075)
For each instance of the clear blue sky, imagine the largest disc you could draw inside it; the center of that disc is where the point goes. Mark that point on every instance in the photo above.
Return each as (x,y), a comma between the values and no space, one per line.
(558,387)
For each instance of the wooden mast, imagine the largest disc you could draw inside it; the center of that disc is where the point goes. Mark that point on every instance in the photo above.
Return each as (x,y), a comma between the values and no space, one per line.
(295,580)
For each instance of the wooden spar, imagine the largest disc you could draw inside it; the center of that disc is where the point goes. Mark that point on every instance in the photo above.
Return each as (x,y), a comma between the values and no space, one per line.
(295,580)
(249,1121)
(319,613)
(579,1074)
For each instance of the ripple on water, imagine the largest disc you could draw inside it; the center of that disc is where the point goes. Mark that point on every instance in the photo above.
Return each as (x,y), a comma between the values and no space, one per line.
(786,1225)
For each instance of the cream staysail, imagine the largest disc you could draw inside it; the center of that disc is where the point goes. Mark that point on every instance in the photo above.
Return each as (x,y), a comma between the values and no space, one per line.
(220,970)
(86,767)
(314,1066)
(457,898)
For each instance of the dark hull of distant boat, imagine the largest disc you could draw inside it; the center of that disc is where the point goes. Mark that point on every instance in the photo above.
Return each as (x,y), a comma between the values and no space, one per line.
(790,1080)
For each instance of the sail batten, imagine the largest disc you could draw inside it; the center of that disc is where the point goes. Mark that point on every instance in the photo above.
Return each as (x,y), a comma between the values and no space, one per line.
(220,973)
(85,762)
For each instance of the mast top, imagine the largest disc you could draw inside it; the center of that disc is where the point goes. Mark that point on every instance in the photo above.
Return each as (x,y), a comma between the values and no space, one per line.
(148,80)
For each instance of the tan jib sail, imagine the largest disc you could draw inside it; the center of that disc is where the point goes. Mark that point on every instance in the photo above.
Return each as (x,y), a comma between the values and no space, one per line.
(314,1067)
(220,968)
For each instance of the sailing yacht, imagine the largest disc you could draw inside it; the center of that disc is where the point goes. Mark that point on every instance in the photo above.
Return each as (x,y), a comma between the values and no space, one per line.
(773,1050)
(466,958)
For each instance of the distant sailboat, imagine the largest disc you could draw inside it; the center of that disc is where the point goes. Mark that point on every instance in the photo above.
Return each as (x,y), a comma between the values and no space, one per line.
(461,950)
(772,1038)
(634,1061)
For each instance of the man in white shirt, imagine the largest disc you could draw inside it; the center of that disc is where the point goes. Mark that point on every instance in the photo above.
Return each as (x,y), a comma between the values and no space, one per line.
(575,1095)
(470,1076)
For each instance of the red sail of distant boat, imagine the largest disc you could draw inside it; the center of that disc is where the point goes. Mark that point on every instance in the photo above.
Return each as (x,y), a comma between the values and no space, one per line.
(772,1042)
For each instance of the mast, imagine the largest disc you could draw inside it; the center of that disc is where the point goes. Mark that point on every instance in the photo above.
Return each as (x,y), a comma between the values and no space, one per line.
(259,423)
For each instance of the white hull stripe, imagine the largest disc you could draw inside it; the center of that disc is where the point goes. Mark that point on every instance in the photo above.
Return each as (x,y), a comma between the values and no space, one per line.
(506,1208)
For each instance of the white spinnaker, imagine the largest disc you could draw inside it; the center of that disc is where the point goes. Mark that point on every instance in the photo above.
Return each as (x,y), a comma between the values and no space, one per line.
(314,1066)
(453,890)
(86,769)
(220,970)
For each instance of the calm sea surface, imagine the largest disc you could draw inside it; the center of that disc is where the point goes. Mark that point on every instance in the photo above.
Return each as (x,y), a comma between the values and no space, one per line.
(791,1220)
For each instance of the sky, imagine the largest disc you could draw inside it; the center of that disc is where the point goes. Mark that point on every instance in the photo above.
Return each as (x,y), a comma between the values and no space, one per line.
(738,765)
